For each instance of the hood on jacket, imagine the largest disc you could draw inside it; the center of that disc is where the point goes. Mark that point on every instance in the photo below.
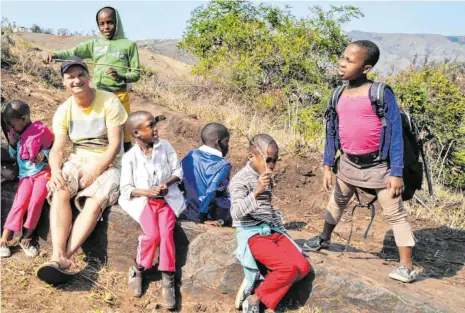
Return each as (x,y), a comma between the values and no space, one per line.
(119,32)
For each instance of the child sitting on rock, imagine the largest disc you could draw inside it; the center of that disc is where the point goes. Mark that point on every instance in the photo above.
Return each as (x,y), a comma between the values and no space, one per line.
(261,236)
(150,194)
(206,178)
(30,144)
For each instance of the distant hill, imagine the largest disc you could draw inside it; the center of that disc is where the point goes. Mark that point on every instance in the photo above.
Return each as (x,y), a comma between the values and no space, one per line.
(399,50)
(167,48)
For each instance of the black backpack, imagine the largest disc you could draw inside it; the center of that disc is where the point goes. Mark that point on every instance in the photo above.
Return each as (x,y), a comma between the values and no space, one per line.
(413,146)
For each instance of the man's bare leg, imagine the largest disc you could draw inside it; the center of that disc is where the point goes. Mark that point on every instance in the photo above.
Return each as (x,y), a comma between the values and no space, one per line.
(83,226)
(61,217)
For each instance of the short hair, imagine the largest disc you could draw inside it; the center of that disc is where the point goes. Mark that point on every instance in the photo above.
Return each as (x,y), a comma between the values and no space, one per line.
(372,50)
(212,132)
(107,9)
(261,142)
(16,109)
(135,119)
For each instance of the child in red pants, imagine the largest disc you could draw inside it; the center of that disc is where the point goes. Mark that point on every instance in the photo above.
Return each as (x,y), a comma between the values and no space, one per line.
(30,144)
(261,236)
(149,194)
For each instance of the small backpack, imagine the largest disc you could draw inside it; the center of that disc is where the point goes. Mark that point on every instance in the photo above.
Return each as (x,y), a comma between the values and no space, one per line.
(413,147)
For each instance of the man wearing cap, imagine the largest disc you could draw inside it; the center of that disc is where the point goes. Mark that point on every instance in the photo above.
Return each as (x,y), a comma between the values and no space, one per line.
(92,120)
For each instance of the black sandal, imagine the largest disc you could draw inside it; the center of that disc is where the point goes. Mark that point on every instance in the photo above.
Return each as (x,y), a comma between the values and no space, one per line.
(53,274)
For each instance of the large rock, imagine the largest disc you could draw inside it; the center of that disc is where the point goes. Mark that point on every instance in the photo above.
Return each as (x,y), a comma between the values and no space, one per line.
(207,270)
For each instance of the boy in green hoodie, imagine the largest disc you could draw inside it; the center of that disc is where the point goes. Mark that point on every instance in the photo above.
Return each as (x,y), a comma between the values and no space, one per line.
(112,48)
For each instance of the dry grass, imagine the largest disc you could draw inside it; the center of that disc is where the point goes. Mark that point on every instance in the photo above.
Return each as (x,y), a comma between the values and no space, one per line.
(212,102)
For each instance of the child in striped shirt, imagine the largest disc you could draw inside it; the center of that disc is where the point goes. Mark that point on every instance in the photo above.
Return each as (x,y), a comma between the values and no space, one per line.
(260,233)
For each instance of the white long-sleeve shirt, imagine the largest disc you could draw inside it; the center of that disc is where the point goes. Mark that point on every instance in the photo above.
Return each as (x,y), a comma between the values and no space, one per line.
(139,171)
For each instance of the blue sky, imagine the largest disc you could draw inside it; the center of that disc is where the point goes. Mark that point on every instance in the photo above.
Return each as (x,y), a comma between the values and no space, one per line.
(167,19)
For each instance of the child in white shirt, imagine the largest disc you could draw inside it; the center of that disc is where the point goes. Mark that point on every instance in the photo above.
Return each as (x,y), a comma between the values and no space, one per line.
(149,193)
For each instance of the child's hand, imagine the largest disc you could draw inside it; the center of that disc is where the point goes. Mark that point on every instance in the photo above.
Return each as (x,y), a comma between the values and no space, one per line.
(13,138)
(113,73)
(395,186)
(327,178)
(46,57)
(213,223)
(39,157)
(8,174)
(263,181)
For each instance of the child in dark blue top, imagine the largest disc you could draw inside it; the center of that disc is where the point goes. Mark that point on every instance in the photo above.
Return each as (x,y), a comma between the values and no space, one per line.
(206,178)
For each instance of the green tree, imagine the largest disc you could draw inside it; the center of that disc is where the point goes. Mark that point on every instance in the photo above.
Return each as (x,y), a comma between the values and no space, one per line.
(36,28)
(280,62)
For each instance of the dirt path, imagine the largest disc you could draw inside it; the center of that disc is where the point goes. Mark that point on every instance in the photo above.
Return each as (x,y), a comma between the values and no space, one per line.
(299,195)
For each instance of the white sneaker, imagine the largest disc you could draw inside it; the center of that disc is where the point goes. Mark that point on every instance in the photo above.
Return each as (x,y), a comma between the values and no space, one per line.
(5,252)
(28,247)
(240,295)
(403,274)
(250,308)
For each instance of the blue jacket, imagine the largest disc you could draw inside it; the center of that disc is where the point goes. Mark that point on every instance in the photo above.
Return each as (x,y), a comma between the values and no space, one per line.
(206,178)
(391,146)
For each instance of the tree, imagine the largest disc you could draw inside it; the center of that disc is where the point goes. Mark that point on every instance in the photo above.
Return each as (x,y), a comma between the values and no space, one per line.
(278,61)
(63,32)
(35,28)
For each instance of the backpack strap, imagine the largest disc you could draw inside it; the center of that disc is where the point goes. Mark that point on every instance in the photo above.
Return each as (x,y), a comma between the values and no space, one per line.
(377,90)
(333,100)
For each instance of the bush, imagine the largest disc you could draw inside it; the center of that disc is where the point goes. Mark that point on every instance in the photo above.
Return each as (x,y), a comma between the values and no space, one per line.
(438,104)
(259,50)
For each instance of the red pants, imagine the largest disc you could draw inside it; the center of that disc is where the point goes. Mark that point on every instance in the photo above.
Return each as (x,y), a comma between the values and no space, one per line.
(285,263)
(157,221)
(29,198)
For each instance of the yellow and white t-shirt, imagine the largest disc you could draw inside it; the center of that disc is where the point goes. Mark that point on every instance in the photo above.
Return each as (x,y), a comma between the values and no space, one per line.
(87,128)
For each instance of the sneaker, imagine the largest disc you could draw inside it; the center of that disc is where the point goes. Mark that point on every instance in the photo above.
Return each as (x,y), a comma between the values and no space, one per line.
(168,292)
(29,247)
(135,281)
(403,274)
(5,252)
(316,243)
(250,308)
(240,295)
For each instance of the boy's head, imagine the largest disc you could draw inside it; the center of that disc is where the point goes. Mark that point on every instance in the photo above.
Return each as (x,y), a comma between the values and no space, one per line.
(17,115)
(106,21)
(142,126)
(358,59)
(263,153)
(216,136)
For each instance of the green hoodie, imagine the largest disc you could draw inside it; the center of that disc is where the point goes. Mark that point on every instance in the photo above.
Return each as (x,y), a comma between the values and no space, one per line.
(116,51)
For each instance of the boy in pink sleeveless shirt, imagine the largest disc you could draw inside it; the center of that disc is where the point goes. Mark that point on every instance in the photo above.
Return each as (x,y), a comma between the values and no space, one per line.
(372,155)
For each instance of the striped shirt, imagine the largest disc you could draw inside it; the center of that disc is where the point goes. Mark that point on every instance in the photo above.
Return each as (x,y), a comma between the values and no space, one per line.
(245,209)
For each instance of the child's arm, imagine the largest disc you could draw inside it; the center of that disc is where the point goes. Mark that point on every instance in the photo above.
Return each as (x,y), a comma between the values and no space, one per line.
(83,50)
(242,201)
(330,145)
(211,192)
(396,150)
(176,170)
(132,76)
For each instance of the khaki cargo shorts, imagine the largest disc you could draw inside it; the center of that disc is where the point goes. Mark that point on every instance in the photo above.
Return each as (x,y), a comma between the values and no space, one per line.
(104,190)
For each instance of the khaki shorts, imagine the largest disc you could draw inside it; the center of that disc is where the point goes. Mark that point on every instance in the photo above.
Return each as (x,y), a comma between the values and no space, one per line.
(104,190)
